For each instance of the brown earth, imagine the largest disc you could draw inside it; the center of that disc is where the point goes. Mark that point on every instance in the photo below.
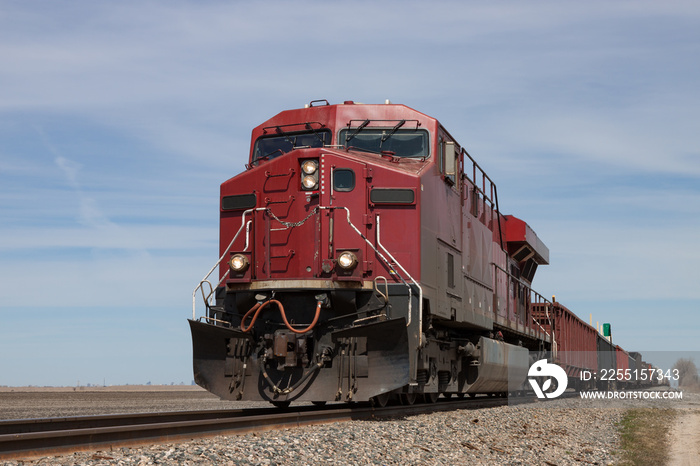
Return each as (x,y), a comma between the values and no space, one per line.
(684,449)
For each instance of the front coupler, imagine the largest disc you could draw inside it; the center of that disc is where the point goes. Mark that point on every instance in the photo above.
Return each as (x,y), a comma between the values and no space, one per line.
(349,364)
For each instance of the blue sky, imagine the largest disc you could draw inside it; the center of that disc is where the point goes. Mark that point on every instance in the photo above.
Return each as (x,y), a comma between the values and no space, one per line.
(119,120)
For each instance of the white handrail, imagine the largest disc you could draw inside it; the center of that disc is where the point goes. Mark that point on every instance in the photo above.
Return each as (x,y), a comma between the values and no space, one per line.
(388,263)
(206,277)
(420,290)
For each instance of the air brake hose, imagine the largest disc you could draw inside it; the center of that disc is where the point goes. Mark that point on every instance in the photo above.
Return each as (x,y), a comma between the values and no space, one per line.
(259,307)
(255,309)
(285,391)
(288,390)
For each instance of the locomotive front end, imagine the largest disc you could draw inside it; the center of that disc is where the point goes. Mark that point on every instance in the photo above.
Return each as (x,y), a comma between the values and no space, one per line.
(303,309)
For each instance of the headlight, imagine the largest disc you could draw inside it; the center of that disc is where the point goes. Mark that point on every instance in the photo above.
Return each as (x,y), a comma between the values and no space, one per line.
(347,260)
(309,182)
(309,166)
(238,263)
(309,174)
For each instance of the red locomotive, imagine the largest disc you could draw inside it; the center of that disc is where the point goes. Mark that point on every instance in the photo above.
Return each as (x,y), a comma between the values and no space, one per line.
(363,256)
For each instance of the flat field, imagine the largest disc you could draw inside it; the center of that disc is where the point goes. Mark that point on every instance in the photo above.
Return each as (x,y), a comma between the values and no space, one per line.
(37,402)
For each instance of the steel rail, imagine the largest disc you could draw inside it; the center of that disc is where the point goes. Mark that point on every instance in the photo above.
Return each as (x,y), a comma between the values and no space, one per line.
(32,438)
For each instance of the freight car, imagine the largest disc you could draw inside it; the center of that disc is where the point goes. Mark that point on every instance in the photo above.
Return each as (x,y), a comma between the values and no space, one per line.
(575,348)
(363,255)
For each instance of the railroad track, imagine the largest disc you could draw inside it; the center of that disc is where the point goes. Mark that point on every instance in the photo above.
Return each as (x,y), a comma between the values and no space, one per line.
(31,438)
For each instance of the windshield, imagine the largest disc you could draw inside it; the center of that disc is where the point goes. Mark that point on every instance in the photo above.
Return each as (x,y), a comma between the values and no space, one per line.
(273,146)
(402,142)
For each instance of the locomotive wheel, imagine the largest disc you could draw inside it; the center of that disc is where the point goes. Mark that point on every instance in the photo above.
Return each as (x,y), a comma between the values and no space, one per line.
(319,403)
(381,400)
(281,404)
(408,399)
(430,397)
(447,395)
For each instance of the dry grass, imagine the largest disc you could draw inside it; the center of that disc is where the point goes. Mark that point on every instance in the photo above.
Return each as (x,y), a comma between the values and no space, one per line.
(645,435)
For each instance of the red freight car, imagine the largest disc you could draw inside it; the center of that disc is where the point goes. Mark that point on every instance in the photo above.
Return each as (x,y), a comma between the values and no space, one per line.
(575,341)
(623,374)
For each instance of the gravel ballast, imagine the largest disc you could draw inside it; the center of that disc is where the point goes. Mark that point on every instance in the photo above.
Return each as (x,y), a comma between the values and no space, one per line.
(564,431)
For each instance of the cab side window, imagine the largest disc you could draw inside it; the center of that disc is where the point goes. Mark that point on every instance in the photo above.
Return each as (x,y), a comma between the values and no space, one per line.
(450,163)
(343,179)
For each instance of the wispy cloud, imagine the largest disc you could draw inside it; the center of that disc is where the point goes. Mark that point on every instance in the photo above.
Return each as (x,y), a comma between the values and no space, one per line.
(70,170)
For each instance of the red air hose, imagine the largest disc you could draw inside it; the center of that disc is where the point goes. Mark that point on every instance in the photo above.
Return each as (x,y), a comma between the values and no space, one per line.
(259,307)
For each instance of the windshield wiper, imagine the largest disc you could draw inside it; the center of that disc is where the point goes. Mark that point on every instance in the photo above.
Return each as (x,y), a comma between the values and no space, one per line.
(318,136)
(359,128)
(307,126)
(286,136)
(267,156)
(391,133)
